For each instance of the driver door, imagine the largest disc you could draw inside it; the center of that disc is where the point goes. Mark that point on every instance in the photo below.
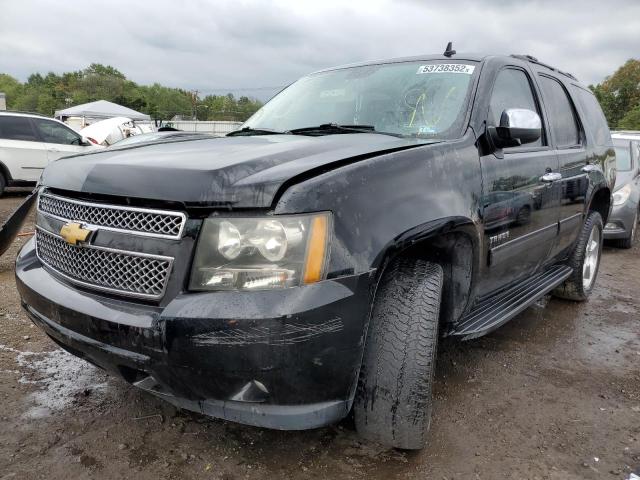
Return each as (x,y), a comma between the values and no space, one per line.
(58,139)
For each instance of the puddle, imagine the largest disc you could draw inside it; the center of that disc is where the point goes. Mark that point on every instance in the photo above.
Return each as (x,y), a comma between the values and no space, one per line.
(58,376)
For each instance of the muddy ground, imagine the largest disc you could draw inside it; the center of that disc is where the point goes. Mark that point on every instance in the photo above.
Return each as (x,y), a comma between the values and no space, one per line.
(554,394)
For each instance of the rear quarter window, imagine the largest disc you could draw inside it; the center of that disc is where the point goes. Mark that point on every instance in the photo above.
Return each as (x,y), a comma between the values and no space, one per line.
(593,118)
(562,119)
(16,128)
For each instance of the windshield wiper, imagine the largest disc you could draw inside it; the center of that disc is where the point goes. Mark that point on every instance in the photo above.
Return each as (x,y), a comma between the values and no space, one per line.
(329,128)
(246,131)
(326,128)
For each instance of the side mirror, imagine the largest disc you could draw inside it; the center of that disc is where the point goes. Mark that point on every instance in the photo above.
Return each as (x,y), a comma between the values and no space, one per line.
(85,142)
(517,127)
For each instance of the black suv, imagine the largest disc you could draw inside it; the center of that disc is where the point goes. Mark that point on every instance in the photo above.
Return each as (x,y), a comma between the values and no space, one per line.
(306,265)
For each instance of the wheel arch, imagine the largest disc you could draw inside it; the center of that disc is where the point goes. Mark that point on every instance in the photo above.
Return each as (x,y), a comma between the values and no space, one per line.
(601,202)
(4,171)
(454,243)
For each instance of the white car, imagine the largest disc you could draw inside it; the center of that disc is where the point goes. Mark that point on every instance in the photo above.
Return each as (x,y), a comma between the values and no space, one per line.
(28,142)
(112,130)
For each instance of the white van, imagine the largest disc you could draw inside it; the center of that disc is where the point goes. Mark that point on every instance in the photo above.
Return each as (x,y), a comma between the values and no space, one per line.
(28,142)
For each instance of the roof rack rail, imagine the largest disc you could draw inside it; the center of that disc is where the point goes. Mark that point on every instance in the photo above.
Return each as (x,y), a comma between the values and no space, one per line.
(532,59)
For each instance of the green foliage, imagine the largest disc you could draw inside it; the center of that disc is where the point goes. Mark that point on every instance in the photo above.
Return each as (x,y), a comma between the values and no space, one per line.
(45,94)
(631,121)
(619,96)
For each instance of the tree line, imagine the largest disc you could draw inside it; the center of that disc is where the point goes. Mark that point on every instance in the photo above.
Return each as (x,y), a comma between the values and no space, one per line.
(619,96)
(47,93)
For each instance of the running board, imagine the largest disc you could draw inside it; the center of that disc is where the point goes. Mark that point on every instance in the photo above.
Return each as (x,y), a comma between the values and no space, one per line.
(502,307)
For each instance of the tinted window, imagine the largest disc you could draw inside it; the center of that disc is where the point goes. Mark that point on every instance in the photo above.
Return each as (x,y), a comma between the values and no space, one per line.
(512,89)
(562,120)
(593,117)
(53,132)
(16,128)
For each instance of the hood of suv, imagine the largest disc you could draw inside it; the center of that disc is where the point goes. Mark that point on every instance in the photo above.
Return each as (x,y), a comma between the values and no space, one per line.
(235,171)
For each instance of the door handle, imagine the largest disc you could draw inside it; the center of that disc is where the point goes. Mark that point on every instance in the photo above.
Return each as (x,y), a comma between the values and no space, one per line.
(551,177)
(590,168)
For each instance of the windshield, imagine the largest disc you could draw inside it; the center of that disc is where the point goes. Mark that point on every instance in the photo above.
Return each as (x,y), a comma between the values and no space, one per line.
(623,155)
(426,99)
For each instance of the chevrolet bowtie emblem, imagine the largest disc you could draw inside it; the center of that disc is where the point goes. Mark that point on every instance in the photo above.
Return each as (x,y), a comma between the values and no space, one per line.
(73,233)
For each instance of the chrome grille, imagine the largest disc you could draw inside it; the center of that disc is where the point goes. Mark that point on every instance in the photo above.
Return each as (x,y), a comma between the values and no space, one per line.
(156,223)
(129,273)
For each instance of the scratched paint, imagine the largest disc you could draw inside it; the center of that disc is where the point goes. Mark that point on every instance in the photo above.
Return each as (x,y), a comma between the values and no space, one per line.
(289,334)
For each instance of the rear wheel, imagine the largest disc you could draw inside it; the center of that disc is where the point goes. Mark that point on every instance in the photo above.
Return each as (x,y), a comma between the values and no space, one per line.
(524,215)
(393,402)
(585,261)
(3,184)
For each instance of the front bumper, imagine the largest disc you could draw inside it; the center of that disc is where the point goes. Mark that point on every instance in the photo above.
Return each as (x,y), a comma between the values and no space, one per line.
(286,359)
(620,221)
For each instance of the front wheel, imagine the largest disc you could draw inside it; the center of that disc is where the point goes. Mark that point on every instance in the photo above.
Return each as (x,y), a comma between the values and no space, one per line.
(585,261)
(393,402)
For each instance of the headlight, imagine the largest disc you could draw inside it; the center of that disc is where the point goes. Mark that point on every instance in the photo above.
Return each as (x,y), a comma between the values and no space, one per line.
(622,195)
(256,253)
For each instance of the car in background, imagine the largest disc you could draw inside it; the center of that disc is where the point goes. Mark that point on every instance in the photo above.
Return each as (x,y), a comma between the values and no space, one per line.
(112,130)
(173,135)
(622,226)
(28,142)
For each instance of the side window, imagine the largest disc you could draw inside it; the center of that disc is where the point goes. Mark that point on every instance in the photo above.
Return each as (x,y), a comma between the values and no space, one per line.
(53,132)
(16,128)
(593,117)
(562,119)
(512,89)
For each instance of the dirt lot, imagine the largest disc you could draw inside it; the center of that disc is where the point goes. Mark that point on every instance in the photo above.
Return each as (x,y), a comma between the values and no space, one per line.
(554,394)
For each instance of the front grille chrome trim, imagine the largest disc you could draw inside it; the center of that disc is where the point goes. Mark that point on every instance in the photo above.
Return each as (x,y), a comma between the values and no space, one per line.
(93,225)
(94,286)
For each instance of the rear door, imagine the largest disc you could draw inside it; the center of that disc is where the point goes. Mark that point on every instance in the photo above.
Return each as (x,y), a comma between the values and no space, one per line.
(59,140)
(520,198)
(568,140)
(21,151)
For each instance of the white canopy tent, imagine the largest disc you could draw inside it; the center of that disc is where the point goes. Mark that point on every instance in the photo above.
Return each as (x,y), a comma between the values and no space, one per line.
(100,110)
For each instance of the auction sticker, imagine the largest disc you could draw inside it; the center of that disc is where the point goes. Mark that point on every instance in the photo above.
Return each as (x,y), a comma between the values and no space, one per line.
(446,68)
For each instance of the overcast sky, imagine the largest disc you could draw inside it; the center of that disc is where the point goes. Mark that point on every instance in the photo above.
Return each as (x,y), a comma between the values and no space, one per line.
(214,46)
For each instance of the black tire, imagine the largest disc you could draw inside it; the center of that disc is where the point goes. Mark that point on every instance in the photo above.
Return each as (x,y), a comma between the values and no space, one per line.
(524,215)
(3,184)
(393,402)
(573,288)
(630,240)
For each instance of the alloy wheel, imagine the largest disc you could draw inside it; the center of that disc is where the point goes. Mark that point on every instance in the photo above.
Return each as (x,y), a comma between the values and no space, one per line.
(591,259)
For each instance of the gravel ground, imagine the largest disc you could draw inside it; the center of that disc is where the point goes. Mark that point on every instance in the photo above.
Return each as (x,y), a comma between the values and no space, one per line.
(554,394)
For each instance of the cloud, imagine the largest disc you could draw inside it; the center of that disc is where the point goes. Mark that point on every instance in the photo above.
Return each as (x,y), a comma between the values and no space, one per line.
(214,46)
